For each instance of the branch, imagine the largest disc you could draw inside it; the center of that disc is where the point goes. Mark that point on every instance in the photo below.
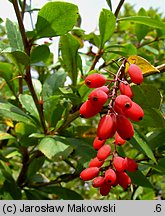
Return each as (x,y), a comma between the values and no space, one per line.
(39,106)
(23,8)
(63,178)
(70,118)
(96,59)
(119,7)
(25,159)
(22,29)
(28,78)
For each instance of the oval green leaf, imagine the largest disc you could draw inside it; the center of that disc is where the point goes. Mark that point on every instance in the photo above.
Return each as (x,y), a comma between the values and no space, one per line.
(56,18)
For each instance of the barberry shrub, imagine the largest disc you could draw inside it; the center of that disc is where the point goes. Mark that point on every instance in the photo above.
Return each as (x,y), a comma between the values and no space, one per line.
(90,124)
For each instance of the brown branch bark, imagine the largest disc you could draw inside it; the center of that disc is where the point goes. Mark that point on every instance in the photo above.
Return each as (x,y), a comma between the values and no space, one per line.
(28,78)
(119,7)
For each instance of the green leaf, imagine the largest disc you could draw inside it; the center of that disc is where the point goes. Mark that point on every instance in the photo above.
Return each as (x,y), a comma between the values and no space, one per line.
(140,179)
(152,118)
(13,189)
(37,87)
(109,4)
(6,70)
(3,46)
(34,194)
(34,166)
(107,24)
(145,20)
(28,103)
(156,138)
(141,30)
(69,49)
(81,148)
(12,112)
(17,57)
(139,142)
(40,54)
(4,136)
(53,110)
(14,35)
(52,84)
(62,193)
(56,18)
(50,147)
(147,95)
(23,132)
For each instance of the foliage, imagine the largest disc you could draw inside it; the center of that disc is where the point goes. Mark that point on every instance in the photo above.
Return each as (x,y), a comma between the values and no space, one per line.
(44,144)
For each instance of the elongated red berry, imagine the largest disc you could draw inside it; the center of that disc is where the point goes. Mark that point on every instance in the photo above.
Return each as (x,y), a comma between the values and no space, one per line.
(123,102)
(107,126)
(105,189)
(125,89)
(98,182)
(95,80)
(130,164)
(104,89)
(89,173)
(135,74)
(95,162)
(135,112)
(124,127)
(123,179)
(98,143)
(119,163)
(98,97)
(119,140)
(104,152)
(110,176)
(88,110)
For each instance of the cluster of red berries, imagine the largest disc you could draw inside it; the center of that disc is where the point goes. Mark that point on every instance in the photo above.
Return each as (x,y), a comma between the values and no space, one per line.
(114,123)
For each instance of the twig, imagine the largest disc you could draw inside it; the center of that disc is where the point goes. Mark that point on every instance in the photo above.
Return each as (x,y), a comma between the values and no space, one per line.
(28,78)
(70,118)
(22,29)
(96,59)
(119,7)
(25,159)
(23,9)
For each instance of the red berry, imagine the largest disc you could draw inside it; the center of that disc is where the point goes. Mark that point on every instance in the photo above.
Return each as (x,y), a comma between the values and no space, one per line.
(107,126)
(105,189)
(98,143)
(135,112)
(110,176)
(104,89)
(87,110)
(130,164)
(135,74)
(123,179)
(103,152)
(98,182)
(95,162)
(95,80)
(119,164)
(98,97)
(119,140)
(124,127)
(89,173)
(125,89)
(123,102)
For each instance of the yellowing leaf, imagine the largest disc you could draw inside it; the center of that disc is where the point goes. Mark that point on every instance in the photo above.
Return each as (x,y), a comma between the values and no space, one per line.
(145,66)
(9,123)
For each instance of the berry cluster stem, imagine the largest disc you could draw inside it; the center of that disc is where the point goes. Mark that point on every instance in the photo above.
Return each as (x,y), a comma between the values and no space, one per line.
(114,90)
